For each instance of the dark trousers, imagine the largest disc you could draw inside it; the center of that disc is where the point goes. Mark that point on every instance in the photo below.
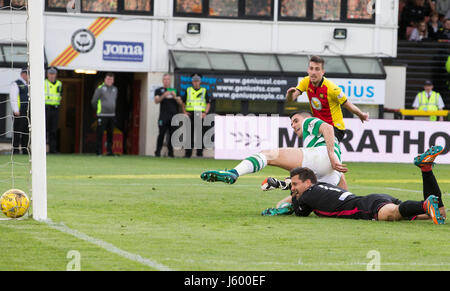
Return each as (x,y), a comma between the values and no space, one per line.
(197,116)
(165,128)
(105,123)
(21,134)
(51,126)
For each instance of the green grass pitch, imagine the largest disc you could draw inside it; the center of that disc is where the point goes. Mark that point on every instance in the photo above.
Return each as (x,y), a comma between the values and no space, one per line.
(141,213)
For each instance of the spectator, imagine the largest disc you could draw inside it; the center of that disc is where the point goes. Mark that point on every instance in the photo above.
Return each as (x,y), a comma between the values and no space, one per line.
(442,6)
(420,33)
(444,33)
(167,97)
(104,101)
(434,26)
(414,12)
(428,100)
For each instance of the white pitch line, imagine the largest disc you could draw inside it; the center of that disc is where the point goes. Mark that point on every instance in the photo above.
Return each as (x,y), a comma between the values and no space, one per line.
(107,246)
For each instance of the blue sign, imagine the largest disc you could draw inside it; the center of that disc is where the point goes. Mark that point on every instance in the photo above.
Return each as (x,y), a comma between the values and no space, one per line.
(123,51)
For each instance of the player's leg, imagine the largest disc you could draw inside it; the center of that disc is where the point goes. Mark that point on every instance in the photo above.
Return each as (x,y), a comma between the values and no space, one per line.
(109,134)
(425,162)
(100,130)
(25,135)
(162,128)
(408,209)
(285,158)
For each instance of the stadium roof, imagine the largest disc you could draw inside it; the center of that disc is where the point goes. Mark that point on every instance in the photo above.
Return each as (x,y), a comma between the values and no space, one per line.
(275,64)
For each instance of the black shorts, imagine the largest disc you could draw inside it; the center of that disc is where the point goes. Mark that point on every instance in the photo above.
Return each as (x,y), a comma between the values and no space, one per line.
(372,203)
(339,134)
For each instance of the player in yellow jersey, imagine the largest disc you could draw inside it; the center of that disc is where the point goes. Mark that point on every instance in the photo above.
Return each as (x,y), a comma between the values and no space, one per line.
(325,97)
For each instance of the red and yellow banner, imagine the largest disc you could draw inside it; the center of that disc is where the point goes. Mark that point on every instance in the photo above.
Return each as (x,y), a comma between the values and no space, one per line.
(69,54)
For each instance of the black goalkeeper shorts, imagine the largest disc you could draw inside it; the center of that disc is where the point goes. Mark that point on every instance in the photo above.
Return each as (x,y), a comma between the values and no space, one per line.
(372,203)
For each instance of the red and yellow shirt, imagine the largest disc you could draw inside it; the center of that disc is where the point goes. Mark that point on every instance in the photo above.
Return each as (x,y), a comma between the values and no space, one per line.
(325,101)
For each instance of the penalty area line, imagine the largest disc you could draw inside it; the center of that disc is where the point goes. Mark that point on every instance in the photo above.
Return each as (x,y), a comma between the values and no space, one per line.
(106,246)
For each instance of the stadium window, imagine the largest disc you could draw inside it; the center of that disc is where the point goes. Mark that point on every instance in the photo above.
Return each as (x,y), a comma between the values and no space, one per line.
(188,7)
(99,6)
(57,4)
(13,4)
(262,63)
(191,60)
(225,61)
(364,65)
(137,6)
(243,9)
(327,10)
(293,8)
(13,55)
(359,9)
(224,8)
(292,63)
(104,6)
(258,8)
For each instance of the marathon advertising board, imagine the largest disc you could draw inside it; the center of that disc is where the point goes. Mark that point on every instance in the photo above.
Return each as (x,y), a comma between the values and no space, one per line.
(379,140)
(244,87)
(97,43)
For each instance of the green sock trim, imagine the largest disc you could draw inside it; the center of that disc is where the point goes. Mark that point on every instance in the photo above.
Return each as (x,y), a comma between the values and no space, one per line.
(255,163)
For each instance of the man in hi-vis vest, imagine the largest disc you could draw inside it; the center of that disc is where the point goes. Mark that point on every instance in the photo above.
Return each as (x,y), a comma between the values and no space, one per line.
(428,100)
(196,104)
(19,99)
(53,91)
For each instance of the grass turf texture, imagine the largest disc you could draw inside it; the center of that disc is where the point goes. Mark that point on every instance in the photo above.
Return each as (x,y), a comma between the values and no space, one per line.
(159,209)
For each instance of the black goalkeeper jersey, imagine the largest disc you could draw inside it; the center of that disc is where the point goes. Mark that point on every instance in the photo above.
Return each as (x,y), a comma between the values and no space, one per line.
(330,201)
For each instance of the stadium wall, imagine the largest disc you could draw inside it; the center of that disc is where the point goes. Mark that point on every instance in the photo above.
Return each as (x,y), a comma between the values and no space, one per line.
(162,32)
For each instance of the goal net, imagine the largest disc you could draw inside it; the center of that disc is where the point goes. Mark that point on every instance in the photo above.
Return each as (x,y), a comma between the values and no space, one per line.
(22,109)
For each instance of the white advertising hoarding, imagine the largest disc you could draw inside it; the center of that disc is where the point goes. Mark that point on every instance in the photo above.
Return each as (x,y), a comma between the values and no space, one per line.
(363,91)
(98,43)
(391,141)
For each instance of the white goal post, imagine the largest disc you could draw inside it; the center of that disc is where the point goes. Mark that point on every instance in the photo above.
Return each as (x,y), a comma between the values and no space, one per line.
(35,38)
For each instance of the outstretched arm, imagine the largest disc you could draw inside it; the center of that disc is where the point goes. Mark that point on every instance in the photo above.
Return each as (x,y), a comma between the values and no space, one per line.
(363,116)
(328,133)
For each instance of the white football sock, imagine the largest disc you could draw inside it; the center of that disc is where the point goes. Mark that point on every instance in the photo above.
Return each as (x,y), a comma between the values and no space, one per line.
(251,164)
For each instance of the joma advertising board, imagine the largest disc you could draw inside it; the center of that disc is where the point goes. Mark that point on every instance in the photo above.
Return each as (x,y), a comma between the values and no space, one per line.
(97,43)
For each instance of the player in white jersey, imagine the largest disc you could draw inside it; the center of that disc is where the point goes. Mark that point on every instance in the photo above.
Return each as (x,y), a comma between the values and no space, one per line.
(320,152)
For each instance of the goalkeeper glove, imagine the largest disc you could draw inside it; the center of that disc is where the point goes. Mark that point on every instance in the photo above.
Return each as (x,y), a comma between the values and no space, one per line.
(285,209)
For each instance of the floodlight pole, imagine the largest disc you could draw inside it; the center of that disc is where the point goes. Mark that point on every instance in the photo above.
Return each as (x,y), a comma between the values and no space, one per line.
(35,30)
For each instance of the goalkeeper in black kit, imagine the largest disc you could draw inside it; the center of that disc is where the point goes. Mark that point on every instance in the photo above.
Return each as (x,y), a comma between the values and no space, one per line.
(307,195)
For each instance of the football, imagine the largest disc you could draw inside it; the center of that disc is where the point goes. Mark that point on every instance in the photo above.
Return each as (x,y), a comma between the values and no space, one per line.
(14,203)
